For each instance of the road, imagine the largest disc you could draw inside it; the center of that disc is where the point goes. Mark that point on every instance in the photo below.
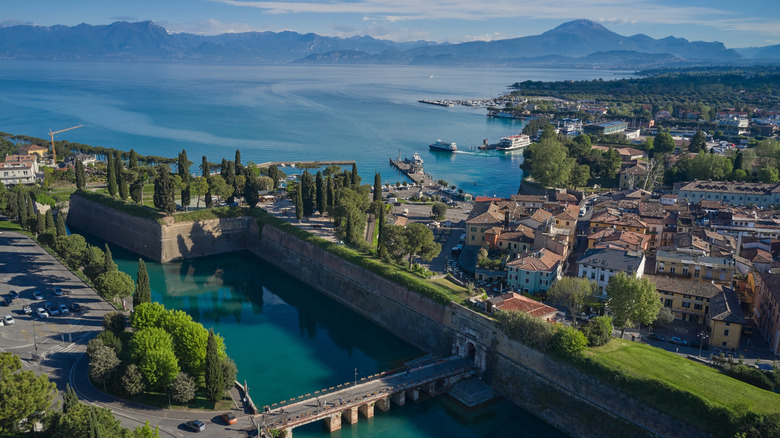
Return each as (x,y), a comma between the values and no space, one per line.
(61,340)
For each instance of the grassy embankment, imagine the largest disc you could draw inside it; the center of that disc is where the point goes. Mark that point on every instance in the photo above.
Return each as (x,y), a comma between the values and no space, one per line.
(692,392)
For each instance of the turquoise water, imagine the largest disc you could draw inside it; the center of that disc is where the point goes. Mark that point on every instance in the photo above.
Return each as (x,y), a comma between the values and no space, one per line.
(277,112)
(288,340)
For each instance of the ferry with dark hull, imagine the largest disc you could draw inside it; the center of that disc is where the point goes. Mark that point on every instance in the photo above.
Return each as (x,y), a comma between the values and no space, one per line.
(443,146)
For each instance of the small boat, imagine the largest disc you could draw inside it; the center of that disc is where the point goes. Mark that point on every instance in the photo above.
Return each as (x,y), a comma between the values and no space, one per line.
(443,146)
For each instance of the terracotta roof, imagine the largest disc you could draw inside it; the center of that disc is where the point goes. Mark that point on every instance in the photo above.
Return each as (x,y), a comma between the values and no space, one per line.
(684,286)
(728,186)
(757,255)
(544,260)
(614,236)
(638,194)
(710,205)
(515,302)
(570,212)
(651,209)
(638,169)
(528,198)
(32,148)
(541,215)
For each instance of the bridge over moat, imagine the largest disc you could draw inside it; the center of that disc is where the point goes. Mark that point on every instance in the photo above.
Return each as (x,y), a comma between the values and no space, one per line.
(335,405)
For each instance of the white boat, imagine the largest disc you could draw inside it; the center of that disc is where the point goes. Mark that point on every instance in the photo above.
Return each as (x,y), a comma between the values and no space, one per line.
(443,146)
(513,142)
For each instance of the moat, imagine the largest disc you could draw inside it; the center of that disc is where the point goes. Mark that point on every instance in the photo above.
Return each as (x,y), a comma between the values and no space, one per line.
(289,340)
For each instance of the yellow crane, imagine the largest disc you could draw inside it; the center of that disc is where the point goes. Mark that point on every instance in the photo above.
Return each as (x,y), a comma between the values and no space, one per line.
(53,152)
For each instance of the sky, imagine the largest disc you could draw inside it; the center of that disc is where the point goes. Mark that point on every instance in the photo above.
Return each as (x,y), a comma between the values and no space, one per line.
(734,23)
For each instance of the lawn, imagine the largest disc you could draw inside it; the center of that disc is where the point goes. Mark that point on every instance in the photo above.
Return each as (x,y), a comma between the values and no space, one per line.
(12,226)
(458,290)
(678,386)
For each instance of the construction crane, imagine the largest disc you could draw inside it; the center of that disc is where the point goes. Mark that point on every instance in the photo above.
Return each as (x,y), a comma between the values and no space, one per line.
(53,152)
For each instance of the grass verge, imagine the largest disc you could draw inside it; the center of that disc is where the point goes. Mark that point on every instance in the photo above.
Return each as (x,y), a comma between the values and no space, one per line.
(694,393)
(132,209)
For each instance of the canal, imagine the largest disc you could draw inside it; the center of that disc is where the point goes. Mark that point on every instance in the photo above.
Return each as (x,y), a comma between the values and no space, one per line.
(289,340)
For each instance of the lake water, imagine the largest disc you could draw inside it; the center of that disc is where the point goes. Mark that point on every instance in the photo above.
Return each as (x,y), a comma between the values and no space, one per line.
(279,112)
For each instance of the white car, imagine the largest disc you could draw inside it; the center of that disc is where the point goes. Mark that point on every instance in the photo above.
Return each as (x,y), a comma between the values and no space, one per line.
(64,309)
(42,313)
(9,320)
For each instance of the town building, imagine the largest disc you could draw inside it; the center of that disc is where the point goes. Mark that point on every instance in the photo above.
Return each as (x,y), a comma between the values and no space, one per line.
(601,264)
(33,149)
(605,128)
(766,308)
(632,177)
(729,192)
(693,265)
(725,320)
(514,302)
(688,300)
(534,272)
(19,169)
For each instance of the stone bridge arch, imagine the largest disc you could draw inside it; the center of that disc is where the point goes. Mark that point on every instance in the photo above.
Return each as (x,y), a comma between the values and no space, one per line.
(467,344)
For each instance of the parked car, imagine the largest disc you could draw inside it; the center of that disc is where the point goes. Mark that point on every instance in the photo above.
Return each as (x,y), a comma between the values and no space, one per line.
(677,341)
(195,425)
(51,309)
(27,310)
(74,307)
(13,294)
(657,337)
(57,291)
(229,418)
(63,309)
(37,295)
(7,301)
(42,313)
(9,320)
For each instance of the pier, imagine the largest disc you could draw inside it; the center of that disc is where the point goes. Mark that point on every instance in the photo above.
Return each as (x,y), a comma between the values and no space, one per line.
(346,402)
(413,170)
(307,163)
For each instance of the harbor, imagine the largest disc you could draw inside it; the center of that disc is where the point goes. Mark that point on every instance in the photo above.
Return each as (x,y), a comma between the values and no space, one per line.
(413,169)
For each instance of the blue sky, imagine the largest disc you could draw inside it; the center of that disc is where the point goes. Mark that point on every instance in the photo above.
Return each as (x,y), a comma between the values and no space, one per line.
(735,23)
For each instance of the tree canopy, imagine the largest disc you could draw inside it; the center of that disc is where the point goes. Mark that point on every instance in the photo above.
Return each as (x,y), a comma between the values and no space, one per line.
(632,301)
(22,393)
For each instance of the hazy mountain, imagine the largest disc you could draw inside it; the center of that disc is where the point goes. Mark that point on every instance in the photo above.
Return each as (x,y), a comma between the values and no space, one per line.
(580,43)
(146,40)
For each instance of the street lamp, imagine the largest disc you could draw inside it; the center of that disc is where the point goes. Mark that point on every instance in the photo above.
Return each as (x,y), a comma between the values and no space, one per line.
(702,336)
(355,376)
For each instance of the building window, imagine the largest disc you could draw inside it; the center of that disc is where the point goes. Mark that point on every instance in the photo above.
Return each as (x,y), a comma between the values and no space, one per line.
(473,229)
(686,304)
(601,277)
(723,345)
(697,307)
(661,267)
(668,302)
(685,270)
(527,280)
(696,272)
(687,297)
(671,270)
(728,324)
(726,332)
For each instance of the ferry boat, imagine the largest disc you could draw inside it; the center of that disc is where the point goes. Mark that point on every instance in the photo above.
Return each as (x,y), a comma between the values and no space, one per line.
(513,142)
(443,146)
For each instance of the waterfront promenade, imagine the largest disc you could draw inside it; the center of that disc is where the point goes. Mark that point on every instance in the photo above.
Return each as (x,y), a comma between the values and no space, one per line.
(343,402)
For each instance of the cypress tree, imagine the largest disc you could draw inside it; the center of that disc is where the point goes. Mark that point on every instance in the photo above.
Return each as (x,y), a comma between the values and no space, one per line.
(273,172)
(298,202)
(111,177)
(61,230)
(49,220)
(124,187)
(215,385)
(321,193)
(108,264)
(40,223)
(330,198)
(206,173)
(30,208)
(163,190)
(380,250)
(355,179)
(184,173)
(143,291)
(133,161)
(118,165)
(238,159)
(377,187)
(251,191)
(81,175)
(309,193)
(21,200)
(223,169)
(137,189)
(346,178)
(69,399)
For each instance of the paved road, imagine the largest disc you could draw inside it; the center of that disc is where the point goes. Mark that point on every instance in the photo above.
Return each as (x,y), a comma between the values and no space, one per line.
(61,340)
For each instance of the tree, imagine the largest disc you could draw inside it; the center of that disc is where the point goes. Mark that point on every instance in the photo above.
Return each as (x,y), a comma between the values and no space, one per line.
(114,284)
(21,200)
(183,168)
(215,385)
(71,248)
(143,290)
(115,321)
(393,241)
(148,339)
(88,421)
(663,143)
(308,193)
(163,190)
(273,173)
(145,431)
(632,300)
(40,223)
(229,372)
(137,189)
(111,176)
(439,210)
(568,341)
(189,340)
(298,202)
(182,388)
(573,293)
(220,187)
(124,185)
(580,174)
(49,220)
(322,192)
(419,242)
(30,209)
(598,331)
(159,367)
(665,316)
(769,175)
(81,175)
(69,399)
(133,381)
(109,265)
(61,230)
(550,164)
(22,393)
(102,364)
(201,187)
(698,143)
(94,262)
(380,249)
(251,190)
(377,187)
(354,177)
(132,162)
(148,315)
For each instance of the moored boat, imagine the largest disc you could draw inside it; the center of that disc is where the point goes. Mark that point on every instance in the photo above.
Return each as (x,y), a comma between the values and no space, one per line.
(513,142)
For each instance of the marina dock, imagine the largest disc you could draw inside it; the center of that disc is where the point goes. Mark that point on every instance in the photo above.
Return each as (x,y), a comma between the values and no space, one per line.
(413,170)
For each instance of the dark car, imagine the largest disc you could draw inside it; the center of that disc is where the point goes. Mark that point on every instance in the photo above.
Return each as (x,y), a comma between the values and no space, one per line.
(74,307)
(657,337)
(195,425)
(14,295)
(7,301)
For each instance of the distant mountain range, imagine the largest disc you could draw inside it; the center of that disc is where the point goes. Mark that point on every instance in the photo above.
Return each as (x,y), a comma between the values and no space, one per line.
(575,44)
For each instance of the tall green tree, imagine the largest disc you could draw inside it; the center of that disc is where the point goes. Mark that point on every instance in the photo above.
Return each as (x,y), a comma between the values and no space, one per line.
(124,185)
(572,292)
(103,364)
(132,162)
(663,143)
(113,188)
(183,169)
(273,173)
(22,393)
(308,193)
(61,230)
(206,175)
(31,216)
(109,265)
(163,190)
(321,193)
(698,143)
(251,189)
(238,159)
(137,189)
(331,195)
(115,284)
(380,250)
(81,175)
(298,202)
(159,367)
(550,164)
(632,301)
(21,200)
(182,388)
(377,187)
(420,243)
(354,177)
(50,225)
(214,376)
(143,291)
(69,399)
(40,223)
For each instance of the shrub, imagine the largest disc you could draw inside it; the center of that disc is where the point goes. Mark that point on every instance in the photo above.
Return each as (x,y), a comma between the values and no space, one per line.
(115,321)
(529,330)
(109,339)
(751,375)
(182,388)
(133,381)
(569,341)
(598,331)
(92,346)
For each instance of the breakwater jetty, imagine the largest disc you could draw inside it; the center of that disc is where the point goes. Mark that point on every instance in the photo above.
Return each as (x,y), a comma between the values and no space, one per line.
(413,170)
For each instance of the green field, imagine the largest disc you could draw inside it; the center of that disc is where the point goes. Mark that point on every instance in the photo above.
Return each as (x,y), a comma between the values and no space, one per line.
(692,392)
